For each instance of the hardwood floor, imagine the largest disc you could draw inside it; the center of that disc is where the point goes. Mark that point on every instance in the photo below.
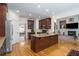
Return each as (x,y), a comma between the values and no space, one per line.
(60,49)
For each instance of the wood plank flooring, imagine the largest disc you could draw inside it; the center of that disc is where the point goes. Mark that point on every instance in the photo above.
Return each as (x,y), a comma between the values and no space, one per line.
(60,49)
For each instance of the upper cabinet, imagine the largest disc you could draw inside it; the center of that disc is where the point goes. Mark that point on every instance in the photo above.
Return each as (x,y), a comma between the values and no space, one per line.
(45,23)
(3,10)
(30,24)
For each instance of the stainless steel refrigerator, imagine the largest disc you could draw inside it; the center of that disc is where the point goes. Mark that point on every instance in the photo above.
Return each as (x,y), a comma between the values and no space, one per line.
(9,34)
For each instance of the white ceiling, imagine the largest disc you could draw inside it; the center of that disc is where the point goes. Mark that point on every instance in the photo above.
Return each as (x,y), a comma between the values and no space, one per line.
(53,8)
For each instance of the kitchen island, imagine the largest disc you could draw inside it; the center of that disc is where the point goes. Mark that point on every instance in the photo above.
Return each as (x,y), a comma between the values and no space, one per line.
(42,41)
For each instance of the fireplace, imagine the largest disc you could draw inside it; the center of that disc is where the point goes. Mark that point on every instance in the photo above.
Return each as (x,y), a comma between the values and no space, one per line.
(72,33)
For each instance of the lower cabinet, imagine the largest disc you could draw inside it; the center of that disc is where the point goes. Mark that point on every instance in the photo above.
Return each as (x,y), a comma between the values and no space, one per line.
(40,43)
(29,35)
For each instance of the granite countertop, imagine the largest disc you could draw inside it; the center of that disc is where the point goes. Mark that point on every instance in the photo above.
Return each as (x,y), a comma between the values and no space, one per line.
(1,41)
(44,35)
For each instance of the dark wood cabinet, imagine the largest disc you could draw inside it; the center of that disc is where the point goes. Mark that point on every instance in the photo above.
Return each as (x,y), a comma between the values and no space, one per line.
(45,23)
(30,24)
(40,43)
(3,10)
(29,34)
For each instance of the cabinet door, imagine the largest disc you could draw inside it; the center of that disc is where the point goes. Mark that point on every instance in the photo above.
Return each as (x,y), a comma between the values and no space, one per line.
(53,40)
(33,43)
(45,23)
(41,42)
(30,24)
(3,10)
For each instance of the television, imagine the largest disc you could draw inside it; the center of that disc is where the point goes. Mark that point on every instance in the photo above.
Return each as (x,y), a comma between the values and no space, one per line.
(72,26)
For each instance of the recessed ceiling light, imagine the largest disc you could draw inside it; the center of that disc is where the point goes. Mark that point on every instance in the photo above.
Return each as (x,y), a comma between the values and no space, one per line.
(17,11)
(38,6)
(47,10)
(39,17)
